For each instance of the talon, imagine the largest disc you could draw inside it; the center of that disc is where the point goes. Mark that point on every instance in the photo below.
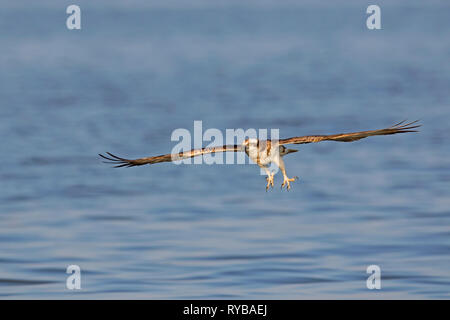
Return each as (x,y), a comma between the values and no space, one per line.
(269,180)
(287,181)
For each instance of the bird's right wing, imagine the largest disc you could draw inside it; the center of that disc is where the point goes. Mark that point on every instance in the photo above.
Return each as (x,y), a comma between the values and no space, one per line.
(353,136)
(122,162)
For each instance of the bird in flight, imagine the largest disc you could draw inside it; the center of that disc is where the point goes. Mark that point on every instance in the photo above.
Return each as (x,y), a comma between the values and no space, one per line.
(264,152)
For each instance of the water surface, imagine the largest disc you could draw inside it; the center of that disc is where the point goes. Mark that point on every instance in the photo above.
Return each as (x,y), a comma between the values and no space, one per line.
(135,73)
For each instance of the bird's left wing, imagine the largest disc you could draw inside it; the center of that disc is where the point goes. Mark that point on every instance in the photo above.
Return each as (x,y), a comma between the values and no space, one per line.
(121,162)
(353,136)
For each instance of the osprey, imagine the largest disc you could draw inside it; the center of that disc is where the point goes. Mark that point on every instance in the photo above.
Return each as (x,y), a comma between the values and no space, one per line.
(264,152)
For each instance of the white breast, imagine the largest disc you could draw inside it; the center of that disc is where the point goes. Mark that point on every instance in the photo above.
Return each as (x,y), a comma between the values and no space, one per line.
(259,154)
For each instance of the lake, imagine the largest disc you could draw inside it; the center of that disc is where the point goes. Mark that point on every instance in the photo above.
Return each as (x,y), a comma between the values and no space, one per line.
(134,73)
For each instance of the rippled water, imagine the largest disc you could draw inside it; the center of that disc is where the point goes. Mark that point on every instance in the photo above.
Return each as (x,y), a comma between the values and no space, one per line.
(135,73)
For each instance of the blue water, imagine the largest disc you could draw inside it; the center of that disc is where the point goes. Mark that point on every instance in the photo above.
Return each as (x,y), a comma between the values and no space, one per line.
(137,71)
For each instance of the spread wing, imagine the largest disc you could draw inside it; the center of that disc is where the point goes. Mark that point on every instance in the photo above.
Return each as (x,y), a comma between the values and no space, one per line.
(353,136)
(121,162)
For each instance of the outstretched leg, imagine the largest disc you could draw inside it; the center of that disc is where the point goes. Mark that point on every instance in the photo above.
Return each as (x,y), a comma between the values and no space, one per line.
(286,181)
(269,178)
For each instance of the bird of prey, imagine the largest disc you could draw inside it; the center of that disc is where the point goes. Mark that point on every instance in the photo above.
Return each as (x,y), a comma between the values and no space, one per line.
(265,152)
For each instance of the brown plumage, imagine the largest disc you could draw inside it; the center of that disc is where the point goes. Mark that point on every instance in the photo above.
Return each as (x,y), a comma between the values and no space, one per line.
(121,162)
(264,152)
(353,136)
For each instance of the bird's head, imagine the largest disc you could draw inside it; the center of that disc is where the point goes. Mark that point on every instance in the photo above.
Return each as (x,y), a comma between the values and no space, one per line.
(250,143)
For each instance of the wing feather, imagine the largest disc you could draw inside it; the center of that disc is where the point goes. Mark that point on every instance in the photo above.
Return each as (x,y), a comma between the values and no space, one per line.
(353,136)
(122,162)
